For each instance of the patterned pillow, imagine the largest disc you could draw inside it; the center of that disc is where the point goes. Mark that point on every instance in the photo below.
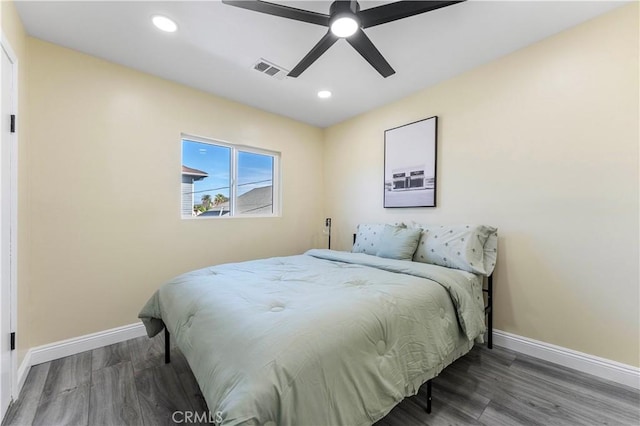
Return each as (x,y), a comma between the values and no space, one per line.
(368,237)
(491,252)
(398,243)
(459,247)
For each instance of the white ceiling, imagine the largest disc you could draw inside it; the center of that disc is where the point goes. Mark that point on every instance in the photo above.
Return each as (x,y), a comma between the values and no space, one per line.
(216,46)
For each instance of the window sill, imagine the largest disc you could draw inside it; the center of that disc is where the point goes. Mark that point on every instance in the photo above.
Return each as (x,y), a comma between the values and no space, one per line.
(232,217)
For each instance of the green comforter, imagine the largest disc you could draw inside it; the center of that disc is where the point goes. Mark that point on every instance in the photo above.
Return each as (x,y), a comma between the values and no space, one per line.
(324,338)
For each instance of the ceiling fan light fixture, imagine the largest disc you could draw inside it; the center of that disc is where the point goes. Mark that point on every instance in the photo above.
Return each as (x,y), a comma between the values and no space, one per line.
(324,94)
(164,24)
(345,20)
(344,26)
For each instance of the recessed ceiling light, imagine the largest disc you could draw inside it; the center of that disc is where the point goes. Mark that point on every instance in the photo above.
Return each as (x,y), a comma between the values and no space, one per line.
(165,24)
(324,94)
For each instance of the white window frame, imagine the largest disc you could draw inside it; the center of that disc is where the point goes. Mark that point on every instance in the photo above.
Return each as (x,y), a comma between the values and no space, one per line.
(233,171)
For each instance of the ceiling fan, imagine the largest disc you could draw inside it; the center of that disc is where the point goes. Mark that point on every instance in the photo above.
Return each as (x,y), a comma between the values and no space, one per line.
(345,20)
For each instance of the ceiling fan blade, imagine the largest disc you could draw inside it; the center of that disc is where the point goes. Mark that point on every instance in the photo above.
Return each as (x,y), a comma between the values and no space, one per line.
(398,10)
(325,43)
(280,10)
(365,47)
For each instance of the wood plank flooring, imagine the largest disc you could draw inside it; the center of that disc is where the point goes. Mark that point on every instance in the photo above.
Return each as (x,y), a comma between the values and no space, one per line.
(129,384)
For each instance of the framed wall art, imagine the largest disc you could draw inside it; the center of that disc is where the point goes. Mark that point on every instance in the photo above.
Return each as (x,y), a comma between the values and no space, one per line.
(410,164)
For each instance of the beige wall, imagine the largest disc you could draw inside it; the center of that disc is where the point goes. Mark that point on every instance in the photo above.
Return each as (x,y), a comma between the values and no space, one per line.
(543,144)
(104,189)
(14,31)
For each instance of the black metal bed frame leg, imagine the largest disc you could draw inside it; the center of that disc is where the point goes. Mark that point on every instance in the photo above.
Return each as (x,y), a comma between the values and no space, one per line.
(167,346)
(429,396)
(490,306)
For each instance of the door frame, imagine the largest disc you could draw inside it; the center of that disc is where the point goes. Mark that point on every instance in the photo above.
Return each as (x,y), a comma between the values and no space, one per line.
(13,239)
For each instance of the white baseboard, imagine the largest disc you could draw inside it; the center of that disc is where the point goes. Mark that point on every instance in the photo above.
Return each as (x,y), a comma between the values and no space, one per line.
(600,367)
(590,364)
(23,370)
(63,348)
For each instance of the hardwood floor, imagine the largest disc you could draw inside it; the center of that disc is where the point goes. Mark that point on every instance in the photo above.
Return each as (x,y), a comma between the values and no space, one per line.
(129,384)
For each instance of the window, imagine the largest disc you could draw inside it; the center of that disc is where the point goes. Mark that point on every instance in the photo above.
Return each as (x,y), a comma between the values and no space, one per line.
(222,180)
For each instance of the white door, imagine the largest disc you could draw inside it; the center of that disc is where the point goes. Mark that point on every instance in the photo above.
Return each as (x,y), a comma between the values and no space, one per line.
(8,80)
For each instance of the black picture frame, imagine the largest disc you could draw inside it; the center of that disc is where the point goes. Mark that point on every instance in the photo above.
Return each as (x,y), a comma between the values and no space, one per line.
(410,153)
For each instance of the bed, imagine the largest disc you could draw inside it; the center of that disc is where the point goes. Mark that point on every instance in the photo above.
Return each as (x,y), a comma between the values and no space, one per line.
(325,337)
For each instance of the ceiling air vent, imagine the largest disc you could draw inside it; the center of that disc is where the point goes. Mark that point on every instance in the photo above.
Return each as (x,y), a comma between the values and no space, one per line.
(270,69)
